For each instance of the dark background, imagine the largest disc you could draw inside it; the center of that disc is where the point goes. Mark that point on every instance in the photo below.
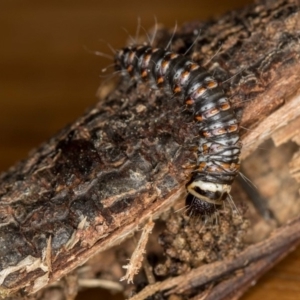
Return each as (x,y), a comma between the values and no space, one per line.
(47,78)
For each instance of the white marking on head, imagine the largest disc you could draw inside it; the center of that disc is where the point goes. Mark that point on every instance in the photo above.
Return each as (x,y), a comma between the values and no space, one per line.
(208,186)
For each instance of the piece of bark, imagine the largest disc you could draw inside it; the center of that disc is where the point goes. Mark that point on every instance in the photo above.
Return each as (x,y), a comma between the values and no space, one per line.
(123,162)
(136,261)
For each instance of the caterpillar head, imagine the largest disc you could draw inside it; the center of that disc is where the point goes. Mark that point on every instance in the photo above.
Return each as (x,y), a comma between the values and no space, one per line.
(205,198)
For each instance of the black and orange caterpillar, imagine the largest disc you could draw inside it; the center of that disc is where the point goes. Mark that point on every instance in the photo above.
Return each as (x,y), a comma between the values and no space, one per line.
(219,145)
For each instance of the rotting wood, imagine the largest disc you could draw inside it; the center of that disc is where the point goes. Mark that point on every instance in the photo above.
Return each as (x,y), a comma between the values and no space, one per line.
(288,235)
(95,183)
(290,132)
(270,126)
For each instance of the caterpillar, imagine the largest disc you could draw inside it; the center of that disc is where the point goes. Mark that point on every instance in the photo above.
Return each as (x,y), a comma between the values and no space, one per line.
(219,146)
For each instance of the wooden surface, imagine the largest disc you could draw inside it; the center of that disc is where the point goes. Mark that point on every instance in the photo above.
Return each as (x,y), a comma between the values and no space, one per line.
(47,78)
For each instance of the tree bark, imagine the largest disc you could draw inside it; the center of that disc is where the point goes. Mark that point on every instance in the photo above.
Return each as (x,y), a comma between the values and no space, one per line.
(124,162)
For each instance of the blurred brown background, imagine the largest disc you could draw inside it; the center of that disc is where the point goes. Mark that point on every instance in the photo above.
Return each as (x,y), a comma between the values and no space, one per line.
(47,78)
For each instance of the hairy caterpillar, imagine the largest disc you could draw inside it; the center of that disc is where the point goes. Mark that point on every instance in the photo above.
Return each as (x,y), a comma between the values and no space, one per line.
(219,145)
